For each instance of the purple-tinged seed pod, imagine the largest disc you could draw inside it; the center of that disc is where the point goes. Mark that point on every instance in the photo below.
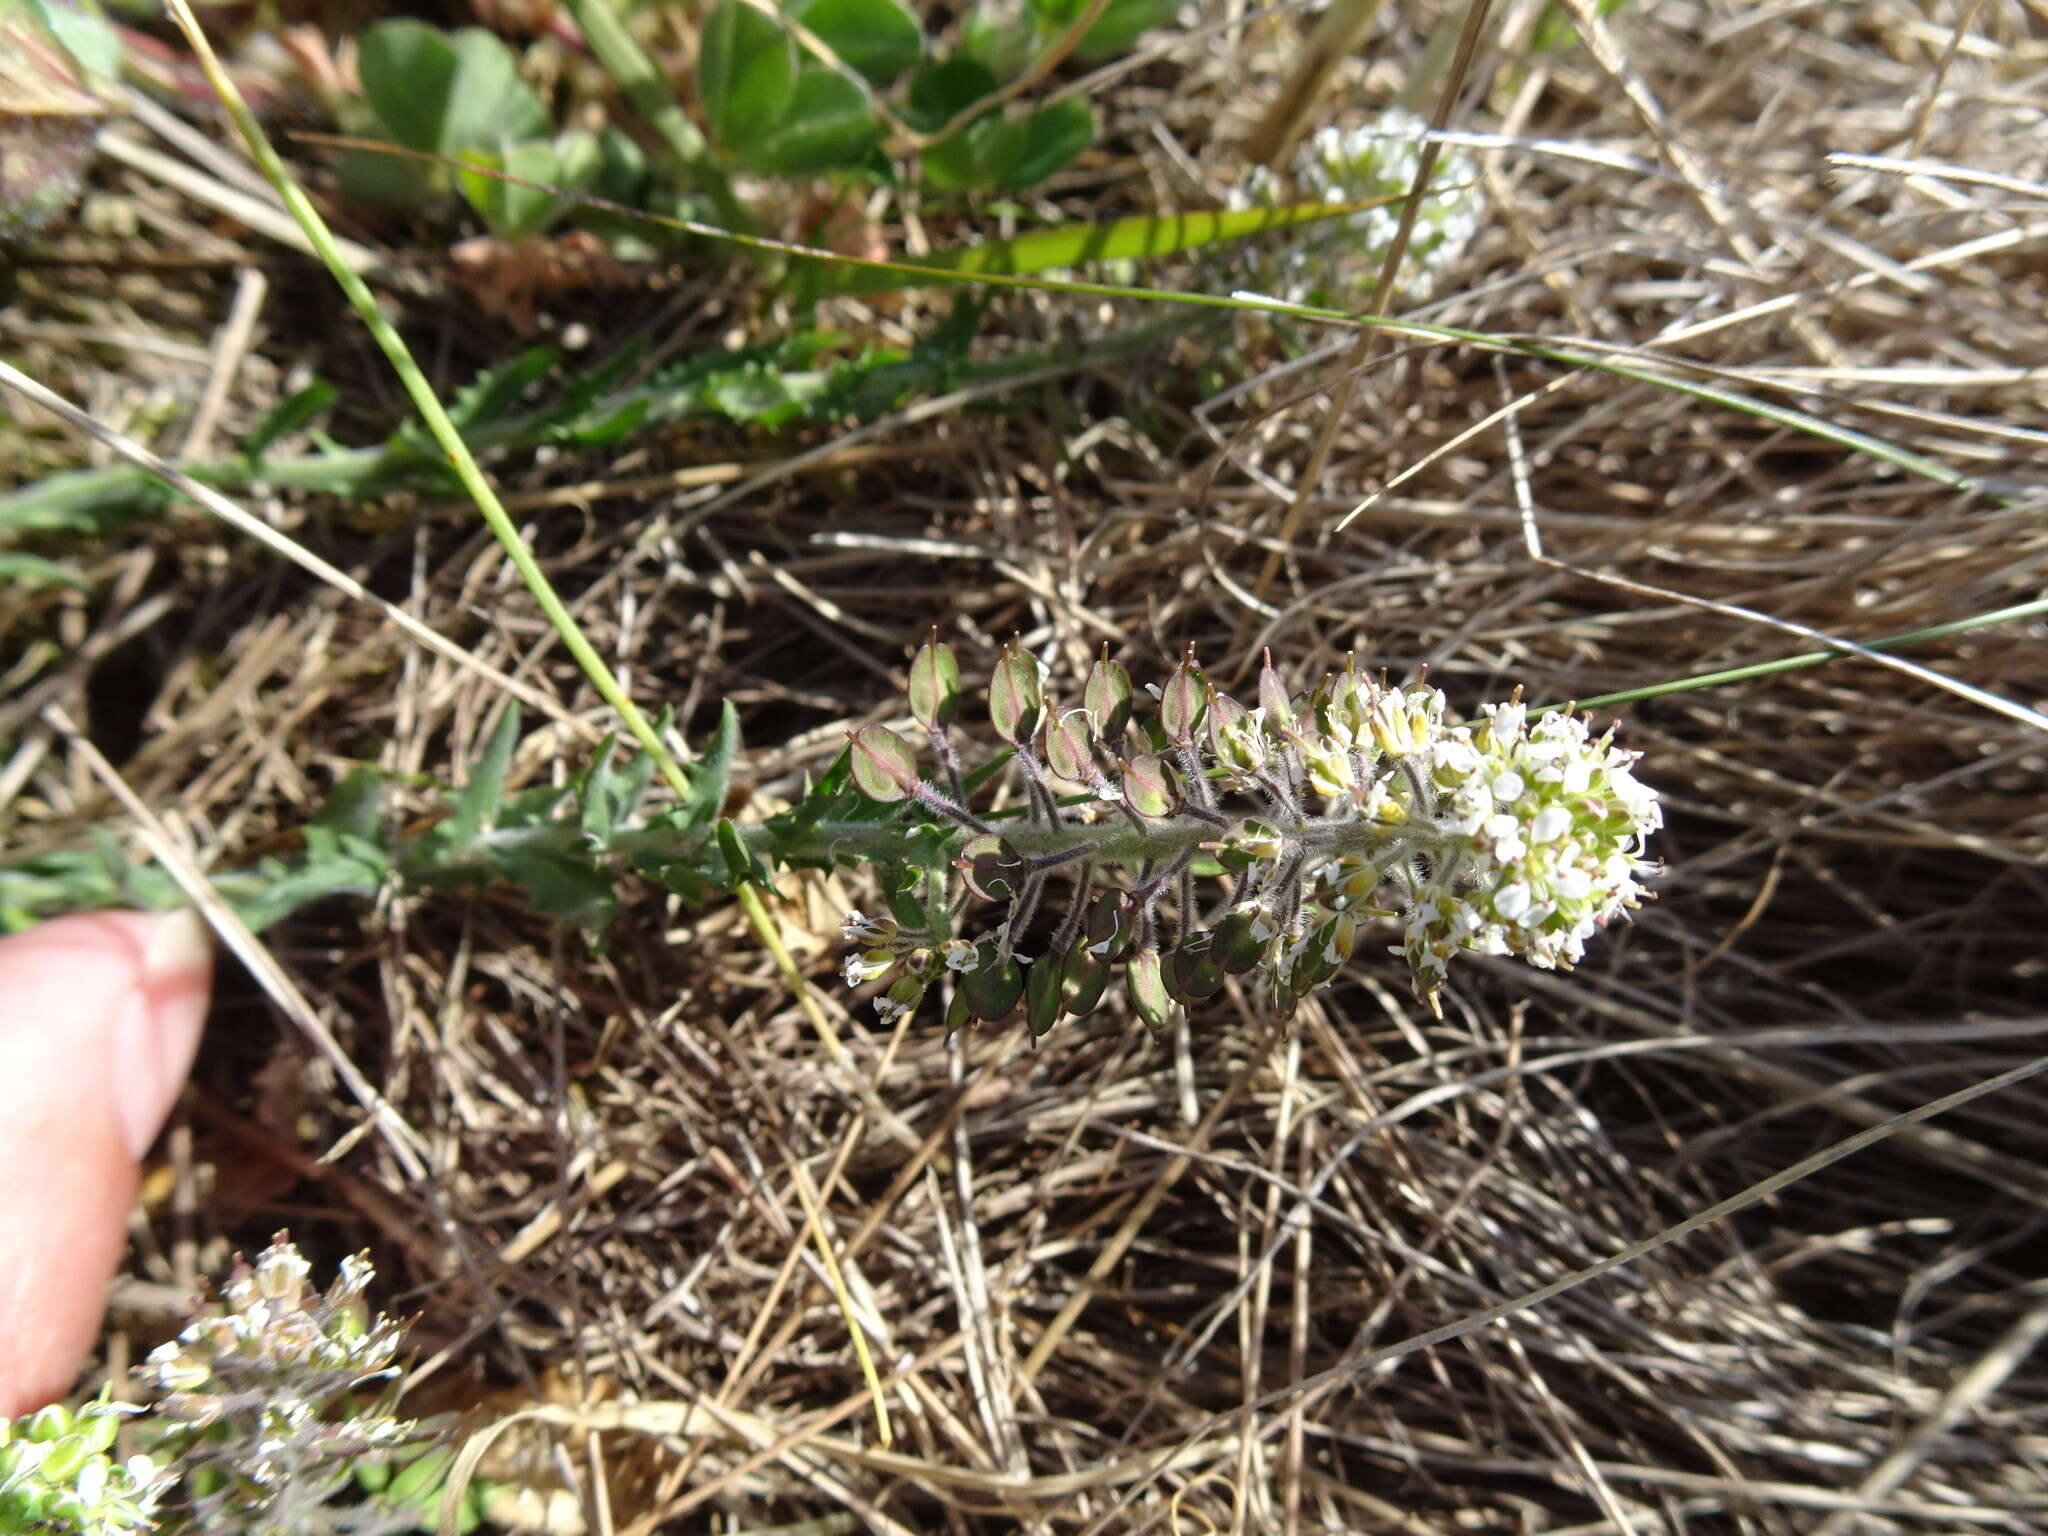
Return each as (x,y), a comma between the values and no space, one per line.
(934,684)
(884,766)
(1014,703)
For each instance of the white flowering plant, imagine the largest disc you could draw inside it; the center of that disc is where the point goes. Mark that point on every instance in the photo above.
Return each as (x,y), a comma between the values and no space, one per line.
(273,1413)
(1375,163)
(1354,803)
(1357,802)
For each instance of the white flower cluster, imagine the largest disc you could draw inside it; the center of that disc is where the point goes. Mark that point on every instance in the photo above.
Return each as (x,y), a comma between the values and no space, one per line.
(1544,828)
(56,1475)
(1526,837)
(271,1372)
(1334,261)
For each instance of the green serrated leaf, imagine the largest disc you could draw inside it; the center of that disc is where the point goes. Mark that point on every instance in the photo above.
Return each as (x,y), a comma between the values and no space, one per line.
(474,807)
(746,72)
(599,811)
(560,886)
(354,809)
(741,867)
(880,38)
(711,774)
(292,414)
(496,390)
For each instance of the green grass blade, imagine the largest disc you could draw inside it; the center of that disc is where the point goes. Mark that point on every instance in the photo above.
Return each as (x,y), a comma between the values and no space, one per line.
(1071,245)
(444,431)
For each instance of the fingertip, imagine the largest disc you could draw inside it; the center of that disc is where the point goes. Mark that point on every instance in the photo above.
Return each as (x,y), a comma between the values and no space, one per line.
(99,1017)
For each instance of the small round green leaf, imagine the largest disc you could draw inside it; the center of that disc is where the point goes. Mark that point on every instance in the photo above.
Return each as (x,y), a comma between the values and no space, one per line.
(880,38)
(746,73)
(828,127)
(1052,137)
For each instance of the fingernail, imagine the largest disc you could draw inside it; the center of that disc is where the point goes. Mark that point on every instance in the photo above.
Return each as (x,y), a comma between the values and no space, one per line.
(158,1030)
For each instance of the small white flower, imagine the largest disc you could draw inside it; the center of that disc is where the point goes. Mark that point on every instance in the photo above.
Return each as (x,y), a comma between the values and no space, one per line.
(862,967)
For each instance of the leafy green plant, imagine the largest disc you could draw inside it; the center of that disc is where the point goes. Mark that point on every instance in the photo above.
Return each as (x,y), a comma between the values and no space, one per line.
(816,87)
(1323,811)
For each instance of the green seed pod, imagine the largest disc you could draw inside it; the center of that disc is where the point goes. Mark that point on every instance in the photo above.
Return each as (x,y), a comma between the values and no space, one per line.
(1234,943)
(1042,993)
(994,869)
(419,1478)
(1196,971)
(958,1015)
(1147,789)
(1107,696)
(993,989)
(47,1424)
(1183,702)
(1086,978)
(934,684)
(1147,980)
(1014,704)
(1067,743)
(1273,699)
(63,1459)
(883,765)
(98,1423)
(1109,926)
